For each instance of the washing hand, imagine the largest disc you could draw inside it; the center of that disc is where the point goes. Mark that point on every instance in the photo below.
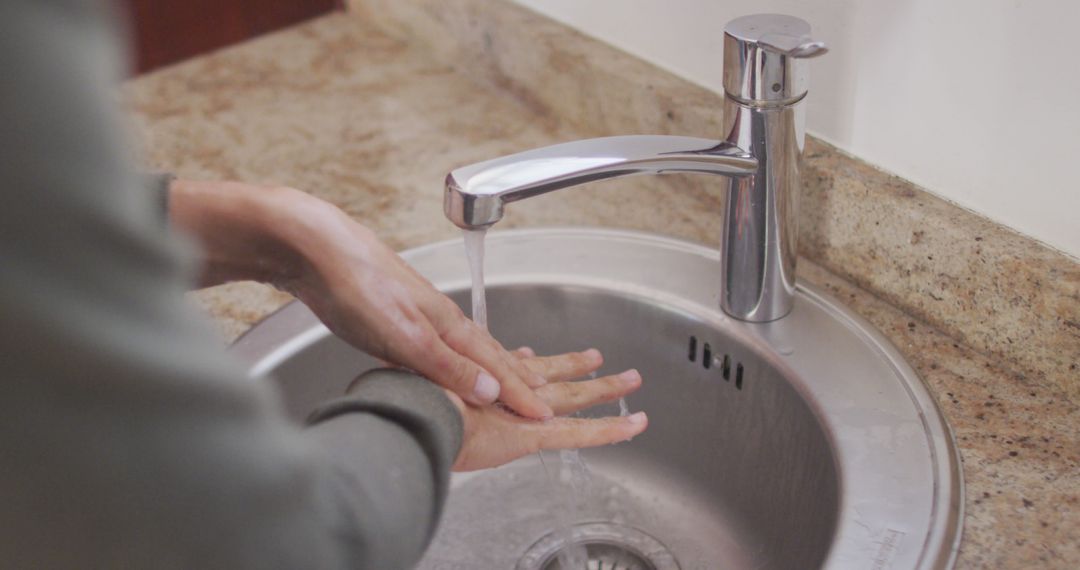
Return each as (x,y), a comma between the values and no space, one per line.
(358,287)
(494,435)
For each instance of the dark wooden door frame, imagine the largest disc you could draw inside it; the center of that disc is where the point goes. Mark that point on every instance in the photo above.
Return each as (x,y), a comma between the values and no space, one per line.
(168,31)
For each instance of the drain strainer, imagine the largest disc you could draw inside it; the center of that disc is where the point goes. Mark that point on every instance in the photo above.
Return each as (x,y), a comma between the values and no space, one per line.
(608,546)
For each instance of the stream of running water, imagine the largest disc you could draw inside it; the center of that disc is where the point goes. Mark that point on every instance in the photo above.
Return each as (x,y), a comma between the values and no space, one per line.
(572,469)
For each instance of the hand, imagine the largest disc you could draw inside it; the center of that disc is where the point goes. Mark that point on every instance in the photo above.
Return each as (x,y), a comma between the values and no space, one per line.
(358,287)
(494,435)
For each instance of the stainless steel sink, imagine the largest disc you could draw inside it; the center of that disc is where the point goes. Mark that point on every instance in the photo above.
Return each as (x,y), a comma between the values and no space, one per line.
(805,442)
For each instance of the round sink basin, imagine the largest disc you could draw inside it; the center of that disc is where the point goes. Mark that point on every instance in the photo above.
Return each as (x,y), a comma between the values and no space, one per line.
(803,443)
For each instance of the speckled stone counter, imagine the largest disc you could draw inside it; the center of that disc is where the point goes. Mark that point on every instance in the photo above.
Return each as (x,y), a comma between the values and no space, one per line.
(348,108)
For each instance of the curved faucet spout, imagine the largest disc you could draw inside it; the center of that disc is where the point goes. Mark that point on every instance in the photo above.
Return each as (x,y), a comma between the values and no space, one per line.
(475,194)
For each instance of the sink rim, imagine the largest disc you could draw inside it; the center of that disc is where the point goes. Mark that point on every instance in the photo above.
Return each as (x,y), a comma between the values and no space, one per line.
(293,327)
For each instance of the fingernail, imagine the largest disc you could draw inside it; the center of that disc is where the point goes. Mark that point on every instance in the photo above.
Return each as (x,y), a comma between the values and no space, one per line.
(546,413)
(594,355)
(486,388)
(539,380)
(631,376)
(527,351)
(636,418)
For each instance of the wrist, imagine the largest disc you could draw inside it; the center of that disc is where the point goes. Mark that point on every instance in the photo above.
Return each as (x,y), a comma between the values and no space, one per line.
(330,244)
(316,233)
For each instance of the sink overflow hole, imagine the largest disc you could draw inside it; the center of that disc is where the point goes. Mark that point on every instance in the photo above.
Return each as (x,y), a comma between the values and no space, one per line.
(707,361)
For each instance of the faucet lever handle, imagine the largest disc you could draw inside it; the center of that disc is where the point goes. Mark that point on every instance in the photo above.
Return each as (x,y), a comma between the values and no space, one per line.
(763,56)
(793,46)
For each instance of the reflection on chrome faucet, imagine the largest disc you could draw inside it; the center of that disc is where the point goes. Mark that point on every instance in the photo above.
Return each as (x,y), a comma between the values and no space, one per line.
(760,159)
(475,194)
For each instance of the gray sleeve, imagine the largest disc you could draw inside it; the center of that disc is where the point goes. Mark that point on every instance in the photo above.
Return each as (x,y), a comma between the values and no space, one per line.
(158,184)
(128,439)
(389,405)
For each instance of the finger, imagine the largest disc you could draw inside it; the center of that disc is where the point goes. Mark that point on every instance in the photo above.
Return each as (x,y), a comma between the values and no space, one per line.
(433,359)
(512,359)
(566,366)
(523,352)
(569,397)
(575,433)
(474,344)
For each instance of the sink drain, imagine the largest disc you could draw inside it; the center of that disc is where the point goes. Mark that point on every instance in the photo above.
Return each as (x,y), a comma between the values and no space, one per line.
(604,556)
(608,546)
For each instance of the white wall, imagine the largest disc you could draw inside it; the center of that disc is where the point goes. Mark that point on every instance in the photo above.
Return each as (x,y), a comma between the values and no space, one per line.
(977,101)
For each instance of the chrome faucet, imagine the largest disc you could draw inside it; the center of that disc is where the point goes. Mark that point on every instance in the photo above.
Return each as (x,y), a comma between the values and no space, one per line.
(760,158)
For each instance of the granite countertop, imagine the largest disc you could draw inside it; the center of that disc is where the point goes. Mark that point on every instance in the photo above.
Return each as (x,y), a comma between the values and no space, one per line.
(349,111)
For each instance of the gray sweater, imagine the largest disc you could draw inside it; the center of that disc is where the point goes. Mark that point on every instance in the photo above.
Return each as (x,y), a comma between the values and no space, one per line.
(128,438)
